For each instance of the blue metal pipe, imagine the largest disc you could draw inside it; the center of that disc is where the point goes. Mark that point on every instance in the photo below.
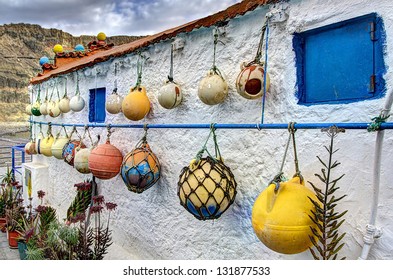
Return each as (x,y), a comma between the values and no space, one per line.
(387,125)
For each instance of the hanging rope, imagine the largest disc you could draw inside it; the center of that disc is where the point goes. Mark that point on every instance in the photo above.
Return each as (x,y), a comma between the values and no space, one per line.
(77,91)
(216,41)
(199,155)
(65,88)
(109,133)
(170,76)
(115,83)
(258,55)
(49,131)
(139,68)
(39,93)
(280,175)
(266,27)
(292,130)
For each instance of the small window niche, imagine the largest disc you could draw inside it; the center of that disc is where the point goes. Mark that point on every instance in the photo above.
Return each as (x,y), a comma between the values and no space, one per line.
(341,62)
(97,98)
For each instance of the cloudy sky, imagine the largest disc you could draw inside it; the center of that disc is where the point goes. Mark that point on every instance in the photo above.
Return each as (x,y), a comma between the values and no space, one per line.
(116,17)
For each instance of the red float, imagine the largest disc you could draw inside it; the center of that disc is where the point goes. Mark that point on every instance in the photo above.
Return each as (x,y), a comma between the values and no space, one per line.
(105,161)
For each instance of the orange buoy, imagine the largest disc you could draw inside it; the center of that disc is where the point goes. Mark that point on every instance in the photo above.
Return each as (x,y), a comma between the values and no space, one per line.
(105,161)
(136,104)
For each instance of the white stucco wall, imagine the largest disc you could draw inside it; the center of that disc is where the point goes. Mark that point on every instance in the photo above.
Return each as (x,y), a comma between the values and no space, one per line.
(153,225)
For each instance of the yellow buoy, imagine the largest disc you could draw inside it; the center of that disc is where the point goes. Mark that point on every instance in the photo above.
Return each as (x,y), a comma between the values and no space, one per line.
(58,48)
(281,219)
(101,36)
(46,145)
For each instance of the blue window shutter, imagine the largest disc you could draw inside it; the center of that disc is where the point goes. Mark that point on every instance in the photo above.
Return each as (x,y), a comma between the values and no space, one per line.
(340,62)
(97,101)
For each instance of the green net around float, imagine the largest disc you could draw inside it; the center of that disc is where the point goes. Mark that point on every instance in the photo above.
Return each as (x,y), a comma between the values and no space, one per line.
(140,169)
(207,188)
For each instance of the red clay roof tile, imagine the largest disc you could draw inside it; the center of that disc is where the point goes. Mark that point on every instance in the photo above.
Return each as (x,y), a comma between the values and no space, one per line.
(117,51)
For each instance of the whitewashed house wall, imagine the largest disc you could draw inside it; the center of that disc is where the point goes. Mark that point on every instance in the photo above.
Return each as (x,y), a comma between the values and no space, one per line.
(153,225)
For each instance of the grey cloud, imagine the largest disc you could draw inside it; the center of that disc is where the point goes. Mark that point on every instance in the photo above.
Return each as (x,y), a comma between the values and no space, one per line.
(112,17)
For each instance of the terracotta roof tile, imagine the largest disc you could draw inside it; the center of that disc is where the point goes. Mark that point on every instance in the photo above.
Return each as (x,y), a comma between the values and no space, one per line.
(117,51)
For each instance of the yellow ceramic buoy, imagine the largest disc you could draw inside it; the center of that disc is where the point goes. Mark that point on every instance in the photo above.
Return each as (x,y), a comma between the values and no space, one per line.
(58,48)
(101,36)
(280,219)
(136,104)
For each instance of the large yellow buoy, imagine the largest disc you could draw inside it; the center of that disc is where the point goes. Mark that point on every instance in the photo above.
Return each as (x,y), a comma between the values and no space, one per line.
(136,104)
(281,218)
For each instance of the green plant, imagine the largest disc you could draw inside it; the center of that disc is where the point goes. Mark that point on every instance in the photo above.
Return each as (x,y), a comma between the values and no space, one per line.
(8,178)
(326,238)
(84,236)
(27,227)
(2,206)
(81,201)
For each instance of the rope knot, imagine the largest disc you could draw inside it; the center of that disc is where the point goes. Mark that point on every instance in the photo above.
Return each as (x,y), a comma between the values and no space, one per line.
(376,124)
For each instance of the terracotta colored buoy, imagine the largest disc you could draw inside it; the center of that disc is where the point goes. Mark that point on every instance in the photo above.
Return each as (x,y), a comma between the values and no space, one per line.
(105,161)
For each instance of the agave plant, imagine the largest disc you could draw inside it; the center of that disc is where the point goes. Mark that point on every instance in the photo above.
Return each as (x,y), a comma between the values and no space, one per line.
(325,236)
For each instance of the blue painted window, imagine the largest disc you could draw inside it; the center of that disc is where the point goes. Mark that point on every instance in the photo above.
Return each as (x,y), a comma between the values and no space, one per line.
(342,62)
(97,99)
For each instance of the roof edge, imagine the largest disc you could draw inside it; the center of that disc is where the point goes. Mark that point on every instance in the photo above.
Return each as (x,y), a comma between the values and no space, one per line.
(231,12)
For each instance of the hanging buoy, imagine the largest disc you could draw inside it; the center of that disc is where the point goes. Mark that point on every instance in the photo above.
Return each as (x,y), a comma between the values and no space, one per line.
(105,161)
(136,104)
(281,218)
(206,188)
(30,148)
(114,103)
(69,151)
(35,109)
(46,145)
(53,109)
(58,146)
(44,108)
(38,142)
(140,169)
(170,95)
(64,104)
(77,103)
(28,109)
(250,81)
(213,89)
(81,161)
